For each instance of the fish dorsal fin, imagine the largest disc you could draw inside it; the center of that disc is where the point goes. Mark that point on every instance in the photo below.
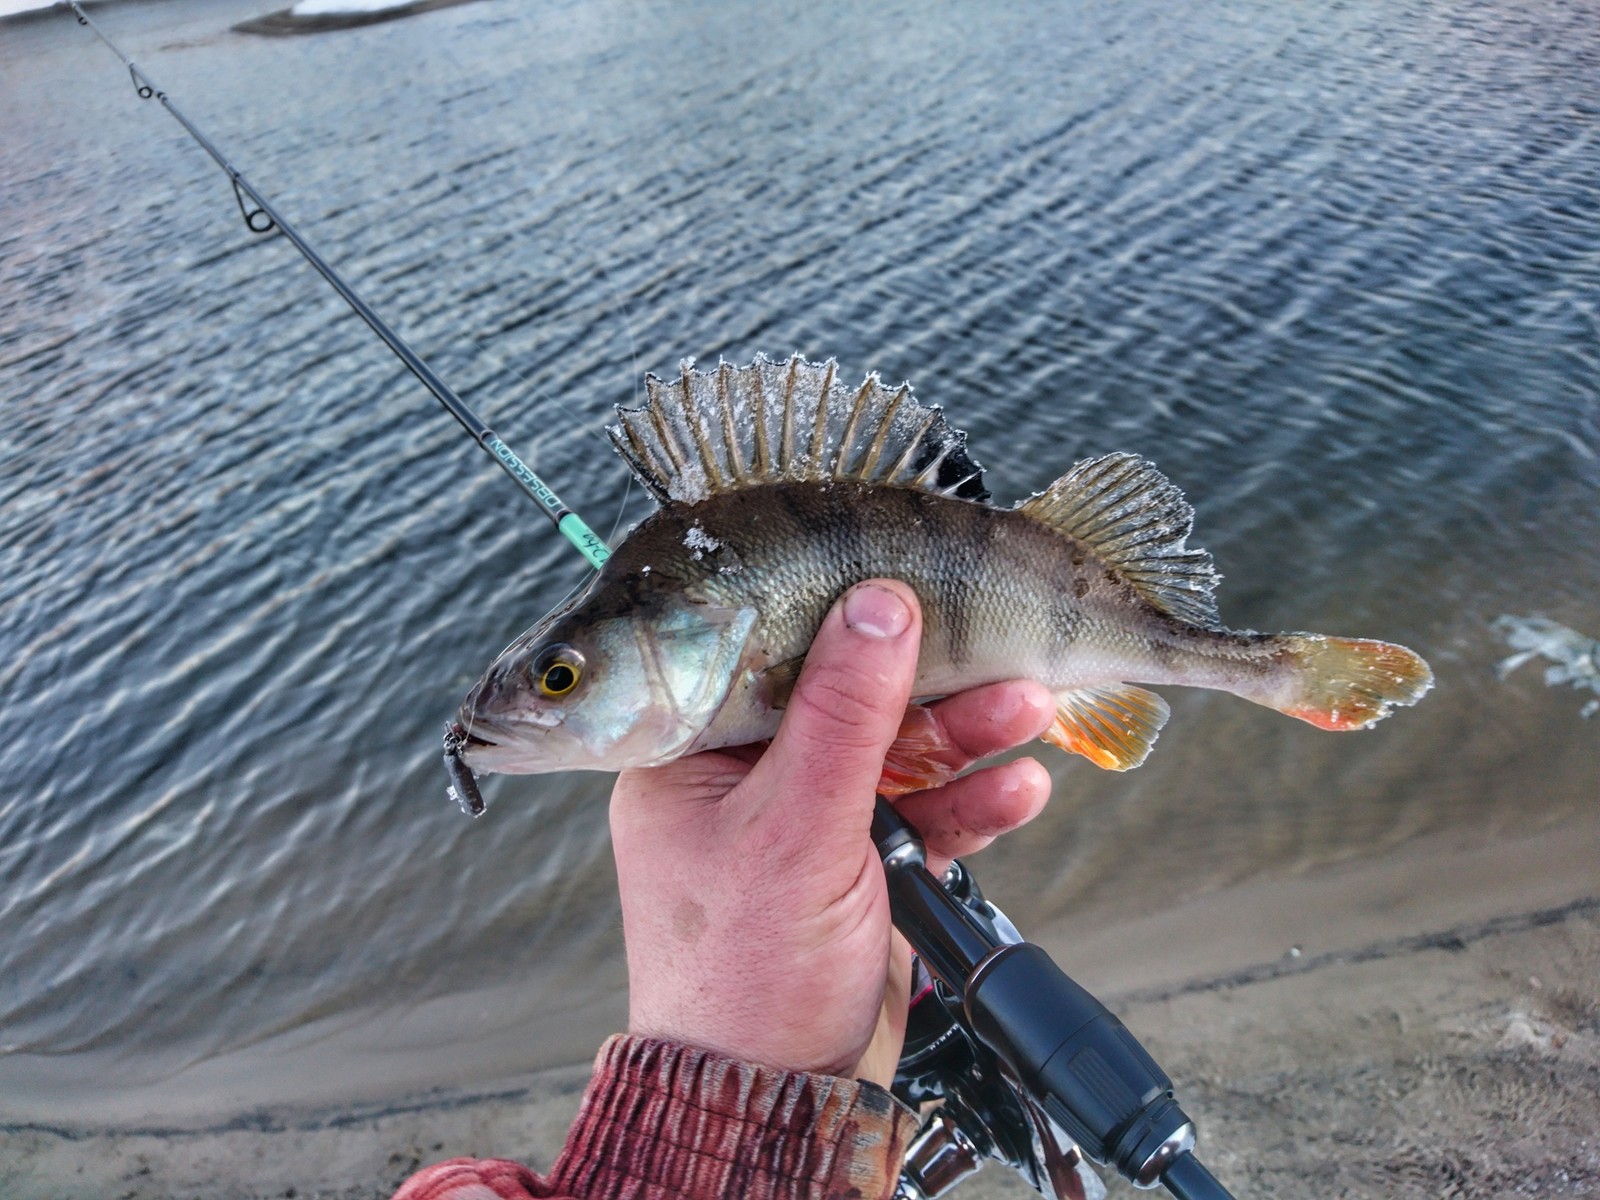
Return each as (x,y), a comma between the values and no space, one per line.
(1135,520)
(707,432)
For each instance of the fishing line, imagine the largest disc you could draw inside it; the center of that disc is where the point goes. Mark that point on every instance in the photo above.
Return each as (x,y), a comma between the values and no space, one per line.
(624,313)
(634,377)
(583,426)
(624,310)
(264,218)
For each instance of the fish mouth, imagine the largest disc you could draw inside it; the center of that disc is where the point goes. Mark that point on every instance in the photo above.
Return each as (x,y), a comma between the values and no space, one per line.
(490,750)
(459,741)
(473,746)
(470,741)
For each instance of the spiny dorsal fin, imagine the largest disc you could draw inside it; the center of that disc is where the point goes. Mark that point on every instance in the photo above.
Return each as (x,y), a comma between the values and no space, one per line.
(1133,518)
(717,431)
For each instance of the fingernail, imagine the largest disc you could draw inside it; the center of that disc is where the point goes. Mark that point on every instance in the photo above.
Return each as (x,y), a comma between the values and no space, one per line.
(876,612)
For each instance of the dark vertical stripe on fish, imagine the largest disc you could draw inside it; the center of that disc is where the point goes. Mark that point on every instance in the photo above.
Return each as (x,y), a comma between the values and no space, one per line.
(948,529)
(852,539)
(1069,584)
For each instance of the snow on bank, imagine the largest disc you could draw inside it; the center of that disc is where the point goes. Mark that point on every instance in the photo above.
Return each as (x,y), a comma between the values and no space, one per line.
(10,8)
(322,16)
(307,16)
(318,8)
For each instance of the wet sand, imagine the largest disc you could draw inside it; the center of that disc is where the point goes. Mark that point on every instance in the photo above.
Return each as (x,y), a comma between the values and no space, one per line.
(1422,1024)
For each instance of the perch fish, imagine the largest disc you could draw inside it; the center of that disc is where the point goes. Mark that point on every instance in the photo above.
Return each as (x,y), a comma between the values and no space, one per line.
(780,487)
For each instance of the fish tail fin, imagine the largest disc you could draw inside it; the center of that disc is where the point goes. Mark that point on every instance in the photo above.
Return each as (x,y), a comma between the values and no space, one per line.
(1347,683)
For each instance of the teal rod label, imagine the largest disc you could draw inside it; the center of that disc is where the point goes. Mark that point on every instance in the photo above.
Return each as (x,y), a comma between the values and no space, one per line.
(585,539)
(572,526)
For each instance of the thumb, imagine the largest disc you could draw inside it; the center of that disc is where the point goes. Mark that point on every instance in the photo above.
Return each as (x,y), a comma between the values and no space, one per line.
(848,703)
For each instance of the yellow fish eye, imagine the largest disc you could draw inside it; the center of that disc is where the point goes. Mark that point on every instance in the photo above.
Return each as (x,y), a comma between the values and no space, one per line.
(559,670)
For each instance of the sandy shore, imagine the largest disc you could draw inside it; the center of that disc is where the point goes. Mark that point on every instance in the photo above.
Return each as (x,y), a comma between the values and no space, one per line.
(1421,1025)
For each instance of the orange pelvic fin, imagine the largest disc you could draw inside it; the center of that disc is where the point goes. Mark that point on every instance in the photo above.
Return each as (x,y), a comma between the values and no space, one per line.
(1350,683)
(1113,727)
(921,756)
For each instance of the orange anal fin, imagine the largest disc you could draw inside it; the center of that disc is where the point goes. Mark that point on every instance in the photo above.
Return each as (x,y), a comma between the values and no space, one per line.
(921,756)
(1113,727)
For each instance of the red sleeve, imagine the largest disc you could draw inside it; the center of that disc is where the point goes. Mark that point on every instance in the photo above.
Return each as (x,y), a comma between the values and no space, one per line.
(661,1120)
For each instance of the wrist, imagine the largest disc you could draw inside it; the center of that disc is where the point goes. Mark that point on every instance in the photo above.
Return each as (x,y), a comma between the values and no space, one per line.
(675,1120)
(795,1038)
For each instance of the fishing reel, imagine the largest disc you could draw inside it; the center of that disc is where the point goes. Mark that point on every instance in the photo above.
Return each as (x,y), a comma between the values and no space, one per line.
(981,1111)
(1024,1065)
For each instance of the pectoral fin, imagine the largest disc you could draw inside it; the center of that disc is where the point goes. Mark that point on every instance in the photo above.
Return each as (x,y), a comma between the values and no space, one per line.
(920,757)
(1113,727)
(779,680)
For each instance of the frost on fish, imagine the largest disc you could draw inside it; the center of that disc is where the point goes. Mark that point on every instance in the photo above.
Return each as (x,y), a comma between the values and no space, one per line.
(1575,657)
(699,542)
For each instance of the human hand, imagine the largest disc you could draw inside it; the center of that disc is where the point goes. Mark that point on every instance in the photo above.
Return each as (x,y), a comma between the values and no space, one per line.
(753,901)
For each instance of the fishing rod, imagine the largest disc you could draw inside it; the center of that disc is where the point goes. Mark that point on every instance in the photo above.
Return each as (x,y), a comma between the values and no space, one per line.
(264,218)
(1030,1068)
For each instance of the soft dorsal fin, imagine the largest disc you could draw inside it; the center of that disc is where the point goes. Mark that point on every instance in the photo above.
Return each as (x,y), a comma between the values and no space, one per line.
(1133,518)
(718,431)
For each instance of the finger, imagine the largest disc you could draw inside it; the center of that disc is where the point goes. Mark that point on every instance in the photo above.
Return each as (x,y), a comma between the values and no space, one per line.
(965,816)
(992,718)
(846,707)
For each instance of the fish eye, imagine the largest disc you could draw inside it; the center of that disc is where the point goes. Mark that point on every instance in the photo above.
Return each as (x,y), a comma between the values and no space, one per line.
(558,671)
